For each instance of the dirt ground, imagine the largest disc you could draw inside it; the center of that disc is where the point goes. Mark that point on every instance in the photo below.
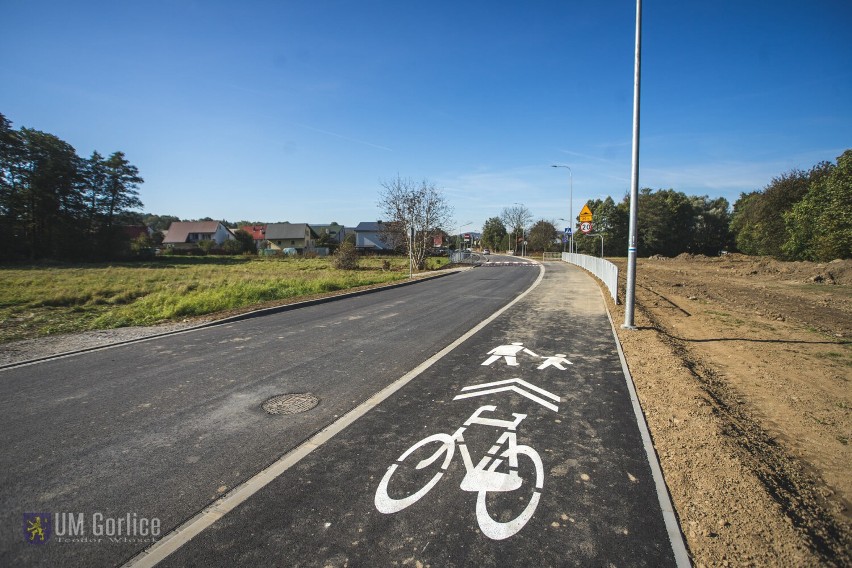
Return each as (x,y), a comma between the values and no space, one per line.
(743,368)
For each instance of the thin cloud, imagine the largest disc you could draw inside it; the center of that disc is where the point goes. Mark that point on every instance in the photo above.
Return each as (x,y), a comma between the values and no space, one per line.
(342,137)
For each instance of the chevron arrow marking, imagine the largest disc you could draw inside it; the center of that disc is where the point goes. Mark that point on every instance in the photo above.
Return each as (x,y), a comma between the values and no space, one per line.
(510,385)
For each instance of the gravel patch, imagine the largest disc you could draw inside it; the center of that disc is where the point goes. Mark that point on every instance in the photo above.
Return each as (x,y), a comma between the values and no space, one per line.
(28,349)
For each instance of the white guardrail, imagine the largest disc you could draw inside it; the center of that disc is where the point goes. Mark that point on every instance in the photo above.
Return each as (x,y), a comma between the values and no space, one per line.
(604,270)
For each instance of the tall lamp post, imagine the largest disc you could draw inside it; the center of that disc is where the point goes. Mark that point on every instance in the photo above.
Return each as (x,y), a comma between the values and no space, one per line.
(630,288)
(570,203)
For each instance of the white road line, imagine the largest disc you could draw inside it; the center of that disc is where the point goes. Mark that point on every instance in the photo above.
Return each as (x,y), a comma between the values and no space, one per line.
(197,524)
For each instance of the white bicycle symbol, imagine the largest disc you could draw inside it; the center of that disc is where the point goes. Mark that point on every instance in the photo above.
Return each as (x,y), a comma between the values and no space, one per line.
(481,479)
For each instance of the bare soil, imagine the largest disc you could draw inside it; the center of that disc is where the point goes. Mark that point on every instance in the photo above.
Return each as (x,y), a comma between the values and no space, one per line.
(743,368)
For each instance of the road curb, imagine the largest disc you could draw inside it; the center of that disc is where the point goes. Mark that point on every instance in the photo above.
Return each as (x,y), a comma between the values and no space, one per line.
(673,529)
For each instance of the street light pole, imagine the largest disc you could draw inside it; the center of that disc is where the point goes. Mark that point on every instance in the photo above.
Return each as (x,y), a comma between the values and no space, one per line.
(570,204)
(630,291)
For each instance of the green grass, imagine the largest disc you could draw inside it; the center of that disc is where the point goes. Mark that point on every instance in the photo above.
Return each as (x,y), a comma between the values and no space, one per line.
(725,317)
(40,300)
(844,359)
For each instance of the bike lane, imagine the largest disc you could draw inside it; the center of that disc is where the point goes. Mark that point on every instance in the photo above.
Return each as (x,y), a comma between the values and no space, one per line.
(536,459)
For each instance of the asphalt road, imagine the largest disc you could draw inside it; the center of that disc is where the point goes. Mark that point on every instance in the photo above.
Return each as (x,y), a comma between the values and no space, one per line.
(160,428)
(544,378)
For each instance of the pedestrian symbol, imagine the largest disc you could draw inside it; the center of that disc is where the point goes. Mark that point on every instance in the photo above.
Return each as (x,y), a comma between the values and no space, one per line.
(508,352)
(555,361)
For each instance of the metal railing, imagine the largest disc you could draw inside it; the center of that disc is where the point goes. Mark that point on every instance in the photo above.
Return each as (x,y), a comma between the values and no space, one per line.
(604,270)
(464,257)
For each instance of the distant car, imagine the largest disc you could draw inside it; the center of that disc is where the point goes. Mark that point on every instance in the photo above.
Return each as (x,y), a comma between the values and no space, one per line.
(486,251)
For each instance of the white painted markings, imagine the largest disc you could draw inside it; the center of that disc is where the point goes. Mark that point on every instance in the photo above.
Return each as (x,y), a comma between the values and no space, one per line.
(510,354)
(516,385)
(484,477)
(481,479)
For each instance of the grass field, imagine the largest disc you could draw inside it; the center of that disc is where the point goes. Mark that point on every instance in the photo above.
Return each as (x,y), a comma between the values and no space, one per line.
(39,300)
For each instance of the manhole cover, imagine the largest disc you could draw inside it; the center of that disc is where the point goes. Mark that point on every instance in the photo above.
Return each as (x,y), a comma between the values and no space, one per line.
(293,403)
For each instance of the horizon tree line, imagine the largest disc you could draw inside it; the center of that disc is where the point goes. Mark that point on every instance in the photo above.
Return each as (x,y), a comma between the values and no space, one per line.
(55,204)
(799,215)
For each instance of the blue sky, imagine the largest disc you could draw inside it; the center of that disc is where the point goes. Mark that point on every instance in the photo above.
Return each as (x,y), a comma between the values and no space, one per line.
(298,110)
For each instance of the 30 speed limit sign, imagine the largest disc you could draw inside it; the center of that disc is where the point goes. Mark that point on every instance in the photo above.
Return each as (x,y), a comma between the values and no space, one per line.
(586,227)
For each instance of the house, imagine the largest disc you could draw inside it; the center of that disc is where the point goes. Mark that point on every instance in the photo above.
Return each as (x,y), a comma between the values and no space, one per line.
(336,233)
(187,234)
(370,236)
(257,232)
(299,236)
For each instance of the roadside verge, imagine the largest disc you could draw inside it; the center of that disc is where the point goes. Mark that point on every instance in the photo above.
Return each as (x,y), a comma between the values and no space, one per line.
(54,347)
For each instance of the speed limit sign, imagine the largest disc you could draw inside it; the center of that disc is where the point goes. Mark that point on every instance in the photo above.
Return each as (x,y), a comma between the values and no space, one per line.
(586,227)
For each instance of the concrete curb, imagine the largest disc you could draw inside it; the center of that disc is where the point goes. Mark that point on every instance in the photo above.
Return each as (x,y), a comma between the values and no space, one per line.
(673,529)
(231,319)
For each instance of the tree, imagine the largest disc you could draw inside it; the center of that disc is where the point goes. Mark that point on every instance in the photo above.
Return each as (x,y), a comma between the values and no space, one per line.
(542,236)
(11,187)
(244,241)
(506,243)
(664,222)
(611,221)
(54,203)
(416,210)
(235,246)
(758,218)
(94,189)
(325,240)
(142,245)
(159,222)
(516,218)
(121,187)
(392,234)
(710,226)
(819,227)
(493,232)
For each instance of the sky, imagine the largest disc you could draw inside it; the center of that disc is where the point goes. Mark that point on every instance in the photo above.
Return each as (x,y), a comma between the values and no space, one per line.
(299,110)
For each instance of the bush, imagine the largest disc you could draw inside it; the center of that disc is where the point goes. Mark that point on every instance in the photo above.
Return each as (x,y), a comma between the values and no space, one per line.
(232,247)
(206,245)
(346,257)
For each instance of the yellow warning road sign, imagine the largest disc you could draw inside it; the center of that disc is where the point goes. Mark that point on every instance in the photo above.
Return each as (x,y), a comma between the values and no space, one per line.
(585,214)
